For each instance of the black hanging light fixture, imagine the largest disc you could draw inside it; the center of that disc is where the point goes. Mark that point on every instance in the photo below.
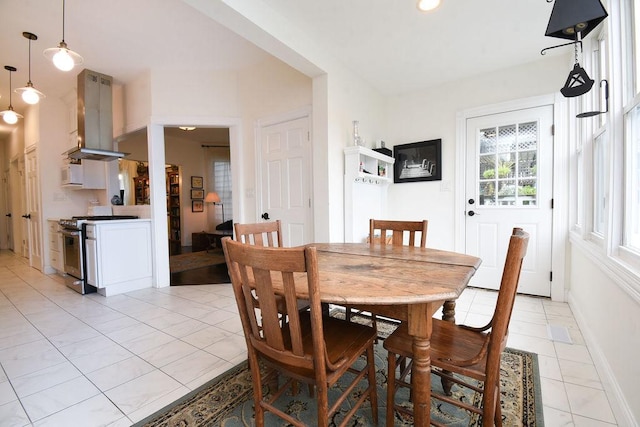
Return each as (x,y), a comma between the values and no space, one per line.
(573,20)
(9,116)
(30,94)
(578,82)
(569,17)
(606,103)
(63,58)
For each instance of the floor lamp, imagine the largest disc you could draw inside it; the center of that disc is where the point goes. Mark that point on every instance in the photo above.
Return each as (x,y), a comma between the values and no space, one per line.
(213,197)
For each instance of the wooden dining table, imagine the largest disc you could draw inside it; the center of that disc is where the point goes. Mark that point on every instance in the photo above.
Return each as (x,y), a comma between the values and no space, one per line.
(403,282)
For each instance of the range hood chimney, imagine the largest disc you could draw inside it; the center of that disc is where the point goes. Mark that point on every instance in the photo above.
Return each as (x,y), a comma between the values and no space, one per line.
(95,118)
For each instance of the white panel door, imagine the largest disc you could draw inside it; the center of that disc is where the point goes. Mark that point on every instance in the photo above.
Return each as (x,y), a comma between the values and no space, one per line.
(509,184)
(33,210)
(286,179)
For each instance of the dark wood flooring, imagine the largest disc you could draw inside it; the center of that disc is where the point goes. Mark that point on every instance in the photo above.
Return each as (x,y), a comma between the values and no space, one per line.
(211,274)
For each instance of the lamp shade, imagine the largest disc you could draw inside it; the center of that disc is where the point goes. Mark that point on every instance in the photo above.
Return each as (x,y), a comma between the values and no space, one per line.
(571,16)
(212,197)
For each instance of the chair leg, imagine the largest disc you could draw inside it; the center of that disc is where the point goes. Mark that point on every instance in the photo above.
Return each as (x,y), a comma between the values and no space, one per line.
(257,393)
(490,401)
(498,407)
(374,323)
(391,387)
(323,405)
(371,379)
(498,416)
(448,315)
(347,313)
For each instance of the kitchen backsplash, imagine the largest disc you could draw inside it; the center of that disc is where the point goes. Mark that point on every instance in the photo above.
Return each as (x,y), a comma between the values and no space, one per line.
(142,211)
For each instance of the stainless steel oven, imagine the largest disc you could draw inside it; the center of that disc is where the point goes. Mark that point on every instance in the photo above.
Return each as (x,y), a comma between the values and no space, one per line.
(73,255)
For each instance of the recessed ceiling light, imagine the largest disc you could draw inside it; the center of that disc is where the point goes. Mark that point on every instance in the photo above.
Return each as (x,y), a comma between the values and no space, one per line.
(427,5)
(186,128)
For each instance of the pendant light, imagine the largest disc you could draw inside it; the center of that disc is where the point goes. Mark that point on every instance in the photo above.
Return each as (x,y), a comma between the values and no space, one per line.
(63,58)
(573,20)
(427,5)
(578,81)
(8,115)
(569,17)
(30,95)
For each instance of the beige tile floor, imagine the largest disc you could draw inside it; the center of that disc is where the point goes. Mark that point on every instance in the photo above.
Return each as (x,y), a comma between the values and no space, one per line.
(72,360)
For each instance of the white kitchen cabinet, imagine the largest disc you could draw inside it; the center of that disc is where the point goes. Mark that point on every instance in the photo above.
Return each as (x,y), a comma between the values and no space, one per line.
(55,246)
(94,176)
(118,255)
(367,175)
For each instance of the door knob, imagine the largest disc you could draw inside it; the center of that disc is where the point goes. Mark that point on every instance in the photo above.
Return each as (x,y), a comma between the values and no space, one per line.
(9,215)
(471,213)
(28,216)
(471,201)
(265,215)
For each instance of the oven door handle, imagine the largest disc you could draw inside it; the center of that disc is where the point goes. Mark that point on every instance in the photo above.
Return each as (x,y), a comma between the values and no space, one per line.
(71,233)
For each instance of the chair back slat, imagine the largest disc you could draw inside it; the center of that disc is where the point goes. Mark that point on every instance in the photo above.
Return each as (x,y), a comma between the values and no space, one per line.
(257,269)
(506,296)
(399,229)
(260,234)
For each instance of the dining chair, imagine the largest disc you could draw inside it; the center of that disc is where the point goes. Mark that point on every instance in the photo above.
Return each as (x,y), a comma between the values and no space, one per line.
(401,232)
(261,233)
(473,352)
(307,347)
(265,234)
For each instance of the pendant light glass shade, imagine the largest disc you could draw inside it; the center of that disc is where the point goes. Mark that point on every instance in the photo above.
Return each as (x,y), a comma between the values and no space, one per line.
(9,116)
(30,94)
(63,58)
(572,16)
(427,5)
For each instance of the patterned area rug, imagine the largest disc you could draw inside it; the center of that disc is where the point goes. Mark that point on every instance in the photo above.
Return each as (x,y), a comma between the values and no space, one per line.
(227,401)
(193,260)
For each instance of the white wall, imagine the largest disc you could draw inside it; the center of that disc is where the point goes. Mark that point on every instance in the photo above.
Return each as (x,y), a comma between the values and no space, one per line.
(609,320)
(431,114)
(269,89)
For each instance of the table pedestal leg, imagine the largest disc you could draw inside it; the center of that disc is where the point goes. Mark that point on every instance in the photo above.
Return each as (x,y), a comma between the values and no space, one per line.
(448,315)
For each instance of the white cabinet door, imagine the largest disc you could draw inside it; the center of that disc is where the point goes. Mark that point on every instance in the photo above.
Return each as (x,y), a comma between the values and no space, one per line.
(92,262)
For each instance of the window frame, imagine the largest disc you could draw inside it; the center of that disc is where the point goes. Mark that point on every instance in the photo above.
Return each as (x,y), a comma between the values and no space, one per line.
(622,71)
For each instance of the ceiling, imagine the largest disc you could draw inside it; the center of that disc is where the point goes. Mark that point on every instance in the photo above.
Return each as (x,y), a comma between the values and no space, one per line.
(388,43)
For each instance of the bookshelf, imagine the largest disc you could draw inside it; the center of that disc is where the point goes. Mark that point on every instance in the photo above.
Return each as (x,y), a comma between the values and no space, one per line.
(173,209)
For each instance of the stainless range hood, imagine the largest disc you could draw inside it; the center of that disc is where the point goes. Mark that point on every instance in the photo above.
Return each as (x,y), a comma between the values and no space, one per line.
(95,118)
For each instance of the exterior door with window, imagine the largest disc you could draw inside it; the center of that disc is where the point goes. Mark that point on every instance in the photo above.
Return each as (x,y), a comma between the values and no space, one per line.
(286,179)
(509,184)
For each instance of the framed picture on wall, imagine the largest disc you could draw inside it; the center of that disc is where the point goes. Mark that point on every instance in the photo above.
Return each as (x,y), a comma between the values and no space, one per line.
(197,206)
(196,182)
(197,194)
(418,161)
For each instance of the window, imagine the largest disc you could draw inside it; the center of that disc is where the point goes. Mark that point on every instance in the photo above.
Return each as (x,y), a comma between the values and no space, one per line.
(631,191)
(222,186)
(606,161)
(600,172)
(508,165)
(632,175)
(599,146)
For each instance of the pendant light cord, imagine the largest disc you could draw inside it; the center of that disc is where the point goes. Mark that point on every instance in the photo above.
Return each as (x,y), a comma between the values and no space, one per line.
(63,2)
(10,86)
(29,61)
